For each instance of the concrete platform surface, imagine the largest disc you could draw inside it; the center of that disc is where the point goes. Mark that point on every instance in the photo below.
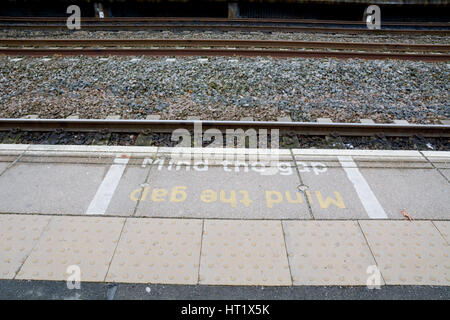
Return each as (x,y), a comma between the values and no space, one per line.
(228,217)
(223,183)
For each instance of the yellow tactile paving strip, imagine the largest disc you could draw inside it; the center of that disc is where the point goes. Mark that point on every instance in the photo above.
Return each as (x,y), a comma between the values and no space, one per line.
(18,235)
(86,242)
(244,253)
(158,251)
(324,252)
(224,252)
(409,252)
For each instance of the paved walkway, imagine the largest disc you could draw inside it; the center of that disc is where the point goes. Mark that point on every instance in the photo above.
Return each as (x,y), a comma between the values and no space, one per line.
(224,217)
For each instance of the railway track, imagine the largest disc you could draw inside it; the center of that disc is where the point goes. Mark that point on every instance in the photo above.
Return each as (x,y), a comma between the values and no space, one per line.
(223,43)
(251,48)
(257,21)
(277,53)
(265,25)
(164,126)
(225,27)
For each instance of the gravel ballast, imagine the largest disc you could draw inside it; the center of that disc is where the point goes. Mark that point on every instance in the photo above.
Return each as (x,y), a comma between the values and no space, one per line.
(225,88)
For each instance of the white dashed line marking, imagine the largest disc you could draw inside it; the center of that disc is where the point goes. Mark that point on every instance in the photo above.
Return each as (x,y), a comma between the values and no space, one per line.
(108,186)
(362,188)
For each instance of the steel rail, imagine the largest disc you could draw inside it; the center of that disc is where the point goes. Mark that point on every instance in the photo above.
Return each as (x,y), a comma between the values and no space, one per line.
(431,57)
(227,27)
(307,128)
(223,20)
(224,43)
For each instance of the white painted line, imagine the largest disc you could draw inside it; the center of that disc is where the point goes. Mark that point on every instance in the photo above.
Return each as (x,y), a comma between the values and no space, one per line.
(135,60)
(108,186)
(202,60)
(46,59)
(365,194)
(99,150)
(359,153)
(15,59)
(171,60)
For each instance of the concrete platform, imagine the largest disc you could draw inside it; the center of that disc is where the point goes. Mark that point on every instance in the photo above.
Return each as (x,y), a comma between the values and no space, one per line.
(3,166)
(446,173)
(142,181)
(217,193)
(49,188)
(423,193)
(139,215)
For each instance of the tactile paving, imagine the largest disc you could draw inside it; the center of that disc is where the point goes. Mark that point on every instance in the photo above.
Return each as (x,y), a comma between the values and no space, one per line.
(88,243)
(327,253)
(158,251)
(238,252)
(444,229)
(409,252)
(18,235)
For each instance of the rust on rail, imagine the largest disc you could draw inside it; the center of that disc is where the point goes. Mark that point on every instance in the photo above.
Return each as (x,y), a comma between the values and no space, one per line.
(310,128)
(226,27)
(222,20)
(225,43)
(224,52)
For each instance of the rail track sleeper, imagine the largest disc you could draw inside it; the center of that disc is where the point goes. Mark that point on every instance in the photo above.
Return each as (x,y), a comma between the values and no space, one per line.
(324,120)
(31,116)
(113,117)
(153,117)
(284,119)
